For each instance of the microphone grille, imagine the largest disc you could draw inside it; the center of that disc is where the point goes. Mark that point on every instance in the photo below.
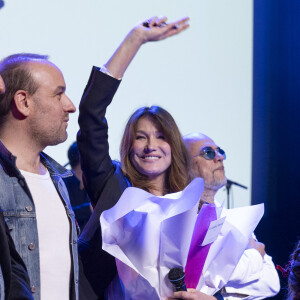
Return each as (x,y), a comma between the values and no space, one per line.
(176,274)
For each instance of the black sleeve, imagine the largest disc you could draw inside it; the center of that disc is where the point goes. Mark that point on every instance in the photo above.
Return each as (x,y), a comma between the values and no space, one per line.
(16,279)
(20,286)
(93,138)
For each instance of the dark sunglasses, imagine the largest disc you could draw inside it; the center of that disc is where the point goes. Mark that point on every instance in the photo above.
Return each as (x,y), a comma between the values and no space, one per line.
(210,153)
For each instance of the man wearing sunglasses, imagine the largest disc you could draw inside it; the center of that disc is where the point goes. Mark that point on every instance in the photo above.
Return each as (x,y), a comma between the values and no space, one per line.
(207,162)
(255,276)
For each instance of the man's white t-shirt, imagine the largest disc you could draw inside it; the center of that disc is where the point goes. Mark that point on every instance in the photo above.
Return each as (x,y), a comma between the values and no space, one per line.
(54,237)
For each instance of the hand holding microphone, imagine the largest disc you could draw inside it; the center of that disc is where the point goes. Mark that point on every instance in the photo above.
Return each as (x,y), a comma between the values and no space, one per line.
(176,277)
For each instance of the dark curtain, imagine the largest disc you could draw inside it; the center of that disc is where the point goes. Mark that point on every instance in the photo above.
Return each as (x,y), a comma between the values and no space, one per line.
(276,126)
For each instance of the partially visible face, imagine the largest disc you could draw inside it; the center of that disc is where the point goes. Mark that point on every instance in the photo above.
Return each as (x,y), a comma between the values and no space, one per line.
(2,86)
(150,153)
(212,171)
(51,106)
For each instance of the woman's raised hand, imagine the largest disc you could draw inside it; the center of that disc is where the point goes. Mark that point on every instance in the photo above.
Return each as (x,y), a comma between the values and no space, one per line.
(157,28)
(153,29)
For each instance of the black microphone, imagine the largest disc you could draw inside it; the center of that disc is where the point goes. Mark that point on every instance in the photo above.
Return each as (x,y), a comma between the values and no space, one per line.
(230,182)
(176,277)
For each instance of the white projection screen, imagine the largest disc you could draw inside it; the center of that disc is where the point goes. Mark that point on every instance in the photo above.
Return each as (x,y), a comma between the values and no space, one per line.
(203,76)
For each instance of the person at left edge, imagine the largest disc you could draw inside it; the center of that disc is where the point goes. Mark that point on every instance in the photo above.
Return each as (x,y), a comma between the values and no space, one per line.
(14,280)
(34,113)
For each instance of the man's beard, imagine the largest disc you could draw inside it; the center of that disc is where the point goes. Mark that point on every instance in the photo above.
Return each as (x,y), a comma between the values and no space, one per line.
(216,184)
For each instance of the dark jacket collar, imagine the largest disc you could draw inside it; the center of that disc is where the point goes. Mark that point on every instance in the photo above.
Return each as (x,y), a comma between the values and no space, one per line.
(8,162)
(54,167)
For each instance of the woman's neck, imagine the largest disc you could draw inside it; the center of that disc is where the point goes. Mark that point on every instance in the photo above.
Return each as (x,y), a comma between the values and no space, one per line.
(156,192)
(158,186)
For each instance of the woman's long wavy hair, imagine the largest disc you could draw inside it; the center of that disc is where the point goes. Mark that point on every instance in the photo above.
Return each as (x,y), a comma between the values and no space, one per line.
(178,174)
(294,277)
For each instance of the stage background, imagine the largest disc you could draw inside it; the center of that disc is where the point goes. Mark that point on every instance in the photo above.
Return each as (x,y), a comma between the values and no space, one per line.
(276,126)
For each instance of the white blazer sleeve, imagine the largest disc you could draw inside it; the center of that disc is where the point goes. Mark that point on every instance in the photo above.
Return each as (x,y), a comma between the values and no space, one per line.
(254,277)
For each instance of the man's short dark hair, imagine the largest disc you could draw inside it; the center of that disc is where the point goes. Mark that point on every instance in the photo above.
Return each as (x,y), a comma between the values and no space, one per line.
(17,76)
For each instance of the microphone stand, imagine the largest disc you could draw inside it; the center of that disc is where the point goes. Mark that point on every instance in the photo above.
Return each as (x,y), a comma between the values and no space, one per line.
(228,186)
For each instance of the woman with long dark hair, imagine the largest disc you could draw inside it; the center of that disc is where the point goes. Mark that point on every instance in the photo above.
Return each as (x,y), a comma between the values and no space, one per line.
(153,156)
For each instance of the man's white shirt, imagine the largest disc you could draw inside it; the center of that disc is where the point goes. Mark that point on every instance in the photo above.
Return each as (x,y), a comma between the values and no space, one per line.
(54,237)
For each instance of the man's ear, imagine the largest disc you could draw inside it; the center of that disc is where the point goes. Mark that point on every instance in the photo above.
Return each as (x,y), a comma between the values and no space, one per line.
(2,85)
(21,103)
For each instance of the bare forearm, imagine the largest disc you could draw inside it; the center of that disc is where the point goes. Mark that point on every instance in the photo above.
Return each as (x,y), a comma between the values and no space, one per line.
(123,56)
